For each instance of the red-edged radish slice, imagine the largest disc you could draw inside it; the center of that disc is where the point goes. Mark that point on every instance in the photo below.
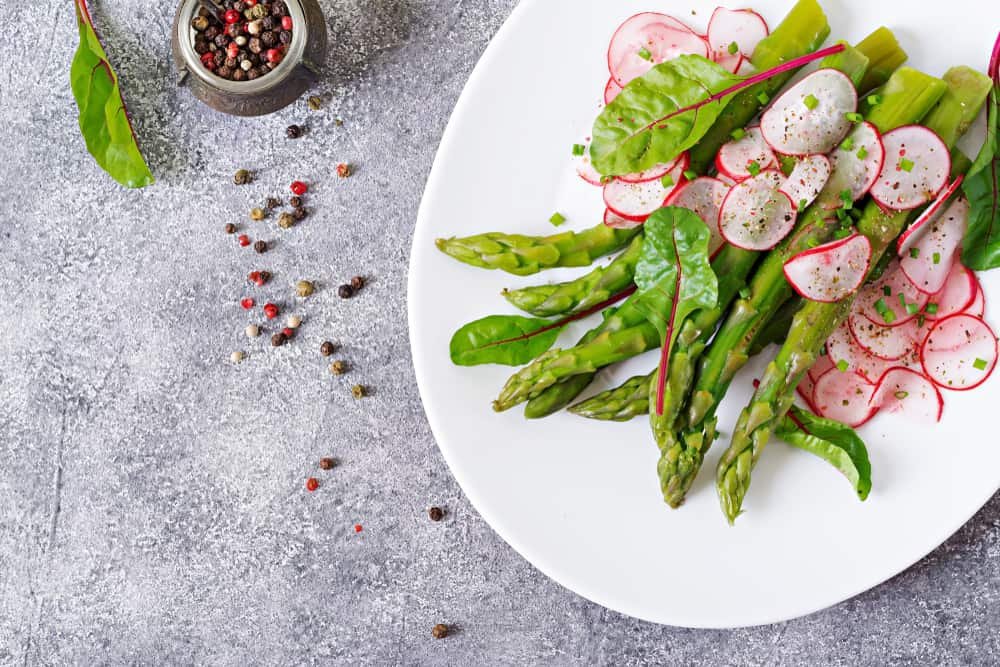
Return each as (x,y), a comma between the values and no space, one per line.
(704,196)
(806,390)
(928,262)
(960,352)
(906,392)
(656,171)
(958,295)
(844,396)
(858,168)
(635,201)
(916,168)
(615,221)
(886,343)
(746,68)
(585,168)
(754,214)
(822,365)
(611,91)
(916,230)
(735,157)
(743,26)
(807,180)
(891,310)
(844,351)
(649,39)
(725,179)
(831,271)
(809,116)
(731,62)
(978,306)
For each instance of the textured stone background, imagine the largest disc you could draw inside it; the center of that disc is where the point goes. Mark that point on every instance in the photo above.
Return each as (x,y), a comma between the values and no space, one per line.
(152,507)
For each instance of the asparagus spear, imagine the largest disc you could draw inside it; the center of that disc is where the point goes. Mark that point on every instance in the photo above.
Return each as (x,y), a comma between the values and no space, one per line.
(813,324)
(579,294)
(905,99)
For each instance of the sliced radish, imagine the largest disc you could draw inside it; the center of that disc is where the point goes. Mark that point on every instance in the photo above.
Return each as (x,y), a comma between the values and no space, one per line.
(704,196)
(960,352)
(908,393)
(585,168)
(755,215)
(725,179)
(936,247)
(615,221)
(856,169)
(746,68)
(882,342)
(807,180)
(831,271)
(635,201)
(933,211)
(611,91)
(806,390)
(891,310)
(735,157)
(844,397)
(809,116)
(744,27)
(978,306)
(656,171)
(843,350)
(916,168)
(731,62)
(649,39)
(958,295)
(822,365)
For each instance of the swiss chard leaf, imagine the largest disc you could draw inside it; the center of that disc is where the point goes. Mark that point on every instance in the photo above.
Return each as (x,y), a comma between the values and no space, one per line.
(510,340)
(104,121)
(659,115)
(833,442)
(981,248)
(674,277)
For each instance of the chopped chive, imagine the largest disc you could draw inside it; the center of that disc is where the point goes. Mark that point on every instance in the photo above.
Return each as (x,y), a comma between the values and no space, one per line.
(802,204)
(744,292)
(905,164)
(847,197)
(854,116)
(912,309)
(889,317)
(753,167)
(886,290)
(901,394)
(763,98)
(842,233)
(880,307)
(842,366)
(690,175)
(847,144)
(733,48)
(874,100)
(862,153)
(841,214)
(667,180)
(980,364)
(920,320)
(914,253)
(810,101)
(931,308)
(579,149)
(902,299)
(557,219)
(645,54)
(936,258)
(811,243)
(738,133)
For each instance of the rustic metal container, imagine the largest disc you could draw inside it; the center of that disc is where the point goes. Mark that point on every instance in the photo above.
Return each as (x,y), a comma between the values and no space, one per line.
(276,90)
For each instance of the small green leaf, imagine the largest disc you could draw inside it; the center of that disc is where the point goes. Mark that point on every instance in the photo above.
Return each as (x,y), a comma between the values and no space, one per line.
(557,218)
(763,98)
(936,258)
(510,340)
(914,253)
(690,175)
(981,247)
(833,442)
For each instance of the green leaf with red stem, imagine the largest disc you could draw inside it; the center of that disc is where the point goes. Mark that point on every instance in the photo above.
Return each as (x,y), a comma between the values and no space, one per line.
(981,249)
(512,340)
(669,109)
(104,121)
(674,277)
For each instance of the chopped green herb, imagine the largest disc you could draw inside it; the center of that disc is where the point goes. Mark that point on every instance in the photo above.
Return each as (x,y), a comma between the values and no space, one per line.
(763,98)
(901,394)
(920,320)
(889,317)
(738,133)
(842,233)
(862,153)
(690,175)
(874,100)
(734,48)
(902,299)
(912,309)
(745,292)
(886,290)
(936,258)
(980,364)
(557,219)
(847,199)
(841,214)
(842,366)
(931,308)
(802,204)
(753,167)
(645,54)
(579,149)
(667,180)
(810,101)
(847,144)
(880,307)
(914,253)
(905,164)
(854,116)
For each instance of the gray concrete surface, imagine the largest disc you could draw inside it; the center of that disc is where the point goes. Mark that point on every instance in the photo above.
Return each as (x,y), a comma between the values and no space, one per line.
(152,502)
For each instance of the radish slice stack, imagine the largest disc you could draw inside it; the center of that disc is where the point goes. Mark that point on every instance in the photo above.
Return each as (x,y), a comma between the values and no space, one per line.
(916,168)
(928,261)
(810,116)
(615,221)
(882,301)
(844,396)
(649,39)
(958,295)
(917,228)
(755,215)
(831,271)
(735,157)
(743,28)
(704,196)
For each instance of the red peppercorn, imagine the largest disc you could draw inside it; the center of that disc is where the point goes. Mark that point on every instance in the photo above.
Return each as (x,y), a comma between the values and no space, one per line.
(232,16)
(247,303)
(270,311)
(244,240)
(357,528)
(299,188)
(288,331)
(208,60)
(233,50)
(250,3)
(273,56)
(312,484)
(286,22)
(254,277)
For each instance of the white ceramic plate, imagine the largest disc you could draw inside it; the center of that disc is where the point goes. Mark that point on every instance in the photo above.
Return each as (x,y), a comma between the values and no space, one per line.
(580,499)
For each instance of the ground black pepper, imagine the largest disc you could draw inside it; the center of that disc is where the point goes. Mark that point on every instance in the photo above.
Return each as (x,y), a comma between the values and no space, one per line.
(278,339)
(295,202)
(300,213)
(293,132)
(260,246)
(435,513)
(327,348)
(345,291)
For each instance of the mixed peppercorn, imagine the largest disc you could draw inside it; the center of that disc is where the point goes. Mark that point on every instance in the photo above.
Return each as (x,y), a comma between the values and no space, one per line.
(246,42)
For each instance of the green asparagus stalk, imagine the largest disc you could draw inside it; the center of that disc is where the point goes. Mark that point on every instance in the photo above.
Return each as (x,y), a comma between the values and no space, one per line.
(905,99)
(813,324)
(587,290)
(885,56)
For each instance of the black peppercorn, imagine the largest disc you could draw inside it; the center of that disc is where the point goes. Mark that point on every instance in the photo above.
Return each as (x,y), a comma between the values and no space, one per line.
(211,32)
(221,40)
(268,23)
(260,246)
(295,202)
(230,228)
(224,72)
(265,277)
(254,45)
(271,203)
(252,74)
(439,631)
(279,8)
(239,75)
(327,463)
(268,39)
(435,513)
(327,348)
(234,30)
(278,339)
(300,213)
(285,37)
(345,291)
(231,63)
(293,131)
(357,282)
(200,47)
